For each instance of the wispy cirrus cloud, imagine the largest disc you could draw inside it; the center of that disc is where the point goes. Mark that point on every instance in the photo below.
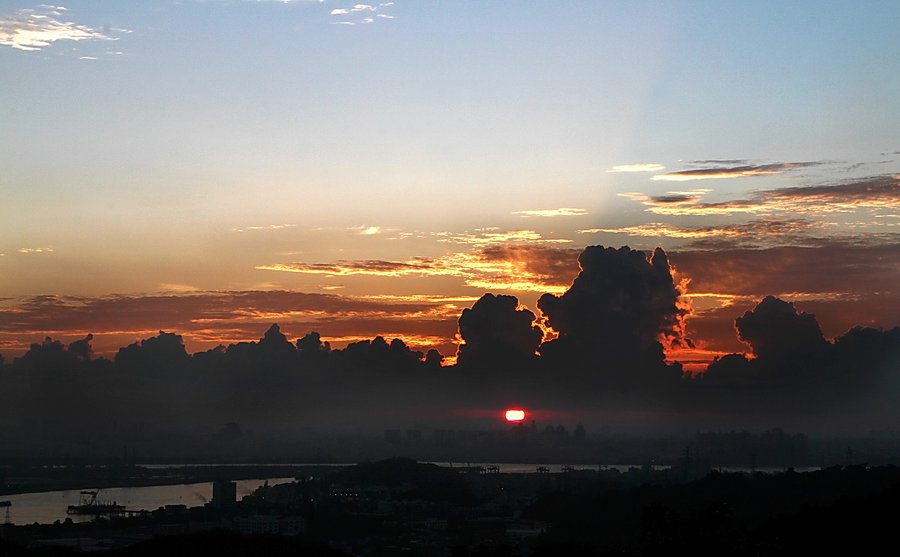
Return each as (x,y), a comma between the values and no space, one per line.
(35,250)
(723,172)
(369,267)
(265,227)
(561,212)
(764,230)
(481,237)
(882,192)
(177,288)
(641,167)
(31,29)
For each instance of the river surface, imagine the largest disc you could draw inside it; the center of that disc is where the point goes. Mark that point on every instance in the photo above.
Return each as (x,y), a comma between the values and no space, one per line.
(49,506)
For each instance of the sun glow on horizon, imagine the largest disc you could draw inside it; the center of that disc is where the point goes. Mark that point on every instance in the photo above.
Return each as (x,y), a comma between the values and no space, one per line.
(515,415)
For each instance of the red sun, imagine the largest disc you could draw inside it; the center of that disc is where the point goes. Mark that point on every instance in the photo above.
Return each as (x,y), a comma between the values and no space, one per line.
(515,415)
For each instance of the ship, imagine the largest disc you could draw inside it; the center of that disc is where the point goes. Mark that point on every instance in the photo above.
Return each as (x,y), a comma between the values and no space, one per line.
(89,503)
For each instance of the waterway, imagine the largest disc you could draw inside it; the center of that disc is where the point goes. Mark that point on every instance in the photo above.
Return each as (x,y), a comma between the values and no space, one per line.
(50,506)
(47,507)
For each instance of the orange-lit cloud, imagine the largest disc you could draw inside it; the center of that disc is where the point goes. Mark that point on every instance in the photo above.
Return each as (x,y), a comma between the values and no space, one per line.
(510,268)
(35,250)
(693,360)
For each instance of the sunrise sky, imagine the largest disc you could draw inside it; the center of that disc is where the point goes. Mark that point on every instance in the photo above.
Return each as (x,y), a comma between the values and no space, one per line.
(211,167)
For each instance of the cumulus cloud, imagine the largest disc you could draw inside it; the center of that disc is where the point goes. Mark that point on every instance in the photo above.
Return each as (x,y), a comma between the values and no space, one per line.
(32,29)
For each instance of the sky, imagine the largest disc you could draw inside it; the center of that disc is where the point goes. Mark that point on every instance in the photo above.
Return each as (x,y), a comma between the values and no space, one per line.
(212,167)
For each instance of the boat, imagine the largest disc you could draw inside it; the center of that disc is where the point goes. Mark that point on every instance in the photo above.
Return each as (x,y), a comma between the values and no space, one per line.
(89,503)
(5,503)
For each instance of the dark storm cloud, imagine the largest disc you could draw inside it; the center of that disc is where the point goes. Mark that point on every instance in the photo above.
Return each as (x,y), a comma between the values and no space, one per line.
(776,330)
(797,371)
(620,299)
(612,322)
(496,331)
